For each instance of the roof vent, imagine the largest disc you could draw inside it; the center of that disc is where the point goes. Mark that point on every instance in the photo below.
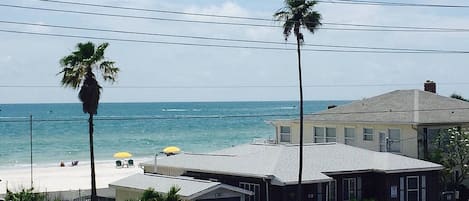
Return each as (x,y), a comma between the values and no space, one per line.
(430,86)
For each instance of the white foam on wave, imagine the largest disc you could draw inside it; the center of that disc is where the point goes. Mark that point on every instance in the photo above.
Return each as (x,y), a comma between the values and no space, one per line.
(173,110)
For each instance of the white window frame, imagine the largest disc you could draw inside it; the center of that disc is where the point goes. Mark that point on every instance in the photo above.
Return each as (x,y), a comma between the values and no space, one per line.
(255,188)
(324,137)
(352,139)
(368,134)
(285,135)
(412,190)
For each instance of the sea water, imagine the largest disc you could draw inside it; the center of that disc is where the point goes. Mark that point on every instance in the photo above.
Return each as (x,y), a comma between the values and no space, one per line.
(60,131)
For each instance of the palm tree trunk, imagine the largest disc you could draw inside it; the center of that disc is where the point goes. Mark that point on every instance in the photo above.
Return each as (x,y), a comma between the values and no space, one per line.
(300,168)
(93,176)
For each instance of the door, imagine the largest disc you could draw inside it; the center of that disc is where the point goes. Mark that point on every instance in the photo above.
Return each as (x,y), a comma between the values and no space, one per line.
(394,140)
(390,141)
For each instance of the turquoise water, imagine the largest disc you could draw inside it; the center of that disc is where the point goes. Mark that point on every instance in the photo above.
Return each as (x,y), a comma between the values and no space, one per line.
(60,131)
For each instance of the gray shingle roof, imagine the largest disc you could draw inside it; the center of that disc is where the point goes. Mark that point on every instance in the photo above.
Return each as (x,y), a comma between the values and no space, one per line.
(190,187)
(398,107)
(280,162)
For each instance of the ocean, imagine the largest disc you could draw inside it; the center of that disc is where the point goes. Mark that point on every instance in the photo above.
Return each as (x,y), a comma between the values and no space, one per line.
(60,131)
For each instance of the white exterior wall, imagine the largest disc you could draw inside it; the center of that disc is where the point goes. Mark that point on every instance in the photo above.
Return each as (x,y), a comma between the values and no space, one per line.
(408,135)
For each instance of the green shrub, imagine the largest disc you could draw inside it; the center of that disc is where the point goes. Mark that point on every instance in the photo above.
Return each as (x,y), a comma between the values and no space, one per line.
(25,195)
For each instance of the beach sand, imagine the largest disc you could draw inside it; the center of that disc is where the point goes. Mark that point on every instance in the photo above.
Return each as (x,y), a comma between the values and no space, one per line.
(48,178)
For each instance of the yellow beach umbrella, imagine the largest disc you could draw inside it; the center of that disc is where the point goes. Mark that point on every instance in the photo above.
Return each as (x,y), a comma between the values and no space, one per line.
(122,154)
(171,150)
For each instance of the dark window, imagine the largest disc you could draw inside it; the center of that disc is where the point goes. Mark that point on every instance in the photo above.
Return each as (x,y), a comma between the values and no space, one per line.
(413,188)
(285,134)
(367,134)
(351,188)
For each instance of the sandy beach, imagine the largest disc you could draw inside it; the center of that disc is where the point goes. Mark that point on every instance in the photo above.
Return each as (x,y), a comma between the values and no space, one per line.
(48,178)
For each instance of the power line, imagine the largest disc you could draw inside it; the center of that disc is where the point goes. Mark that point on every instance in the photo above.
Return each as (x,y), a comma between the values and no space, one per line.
(156,10)
(238,86)
(384,3)
(135,17)
(252,18)
(386,28)
(215,39)
(123,118)
(217,116)
(437,29)
(233,46)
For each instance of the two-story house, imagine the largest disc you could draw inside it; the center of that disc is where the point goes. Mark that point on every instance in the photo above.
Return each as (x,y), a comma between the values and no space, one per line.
(401,121)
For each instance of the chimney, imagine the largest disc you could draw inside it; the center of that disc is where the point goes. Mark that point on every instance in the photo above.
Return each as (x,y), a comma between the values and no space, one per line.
(430,86)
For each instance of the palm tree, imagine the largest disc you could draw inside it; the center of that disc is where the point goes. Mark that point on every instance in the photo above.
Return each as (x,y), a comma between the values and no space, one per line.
(151,195)
(295,15)
(77,70)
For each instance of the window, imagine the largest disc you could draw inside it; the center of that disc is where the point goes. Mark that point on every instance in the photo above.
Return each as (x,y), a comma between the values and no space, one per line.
(367,134)
(352,188)
(423,189)
(413,188)
(319,197)
(319,134)
(349,136)
(324,134)
(401,189)
(255,188)
(332,191)
(285,134)
(330,135)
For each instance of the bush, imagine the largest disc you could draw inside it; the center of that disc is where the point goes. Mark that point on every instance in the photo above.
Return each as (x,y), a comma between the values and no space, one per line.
(25,195)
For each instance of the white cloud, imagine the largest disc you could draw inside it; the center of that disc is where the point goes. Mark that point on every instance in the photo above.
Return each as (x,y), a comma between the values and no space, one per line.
(226,8)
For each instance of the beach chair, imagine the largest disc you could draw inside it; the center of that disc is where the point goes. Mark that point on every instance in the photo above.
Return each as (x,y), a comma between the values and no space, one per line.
(130,163)
(74,163)
(118,164)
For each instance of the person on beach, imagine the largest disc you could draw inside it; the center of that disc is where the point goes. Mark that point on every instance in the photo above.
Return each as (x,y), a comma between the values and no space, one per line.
(62,164)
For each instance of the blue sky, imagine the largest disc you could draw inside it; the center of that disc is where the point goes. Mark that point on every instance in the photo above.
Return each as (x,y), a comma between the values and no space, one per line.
(157,72)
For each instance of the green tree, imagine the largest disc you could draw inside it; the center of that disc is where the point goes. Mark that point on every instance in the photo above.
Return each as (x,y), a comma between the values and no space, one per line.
(151,195)
(77,70)
(298,14)
(25,195)
(457,96)
(452,151)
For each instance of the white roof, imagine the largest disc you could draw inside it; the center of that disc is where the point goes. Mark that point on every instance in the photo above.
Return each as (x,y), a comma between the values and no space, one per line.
(280,162)
(398,107)
(189,187)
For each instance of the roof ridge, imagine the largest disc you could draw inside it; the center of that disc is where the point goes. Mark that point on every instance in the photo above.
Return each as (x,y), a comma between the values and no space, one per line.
(184,178)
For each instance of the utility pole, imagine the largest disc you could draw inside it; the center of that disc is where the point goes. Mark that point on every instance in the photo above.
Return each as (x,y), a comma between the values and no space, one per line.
(31,145)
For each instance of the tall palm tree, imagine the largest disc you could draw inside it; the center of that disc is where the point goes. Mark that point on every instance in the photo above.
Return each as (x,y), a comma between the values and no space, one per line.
(77,70)
(295,15)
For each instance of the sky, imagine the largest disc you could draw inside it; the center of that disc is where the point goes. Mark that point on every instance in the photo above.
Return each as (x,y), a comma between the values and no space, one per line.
(156,72)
